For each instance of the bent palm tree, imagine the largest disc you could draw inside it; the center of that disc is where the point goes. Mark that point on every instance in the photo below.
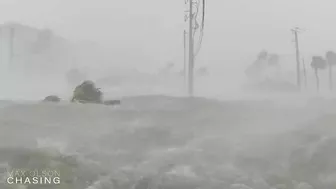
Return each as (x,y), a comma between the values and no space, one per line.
(318,63)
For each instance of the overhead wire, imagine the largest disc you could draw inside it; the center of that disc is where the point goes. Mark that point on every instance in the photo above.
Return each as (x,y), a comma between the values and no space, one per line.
(197,26)
(200,40)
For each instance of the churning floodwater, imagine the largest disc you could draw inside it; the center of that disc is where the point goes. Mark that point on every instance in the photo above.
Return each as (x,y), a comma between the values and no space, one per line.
(171,142)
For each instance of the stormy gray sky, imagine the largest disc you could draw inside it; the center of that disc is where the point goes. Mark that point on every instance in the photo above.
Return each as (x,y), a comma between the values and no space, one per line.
(235,30)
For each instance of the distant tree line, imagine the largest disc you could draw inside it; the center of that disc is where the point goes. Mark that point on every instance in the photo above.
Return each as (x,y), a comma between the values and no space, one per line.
(265,59)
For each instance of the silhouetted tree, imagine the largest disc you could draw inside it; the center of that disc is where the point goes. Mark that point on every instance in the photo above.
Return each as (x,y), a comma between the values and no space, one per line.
(168,68)
(203,71)
(273,60)
(43,41)
(262,55)
(261,59)
(254,69)
(170,65)
(318,63)
(331,60)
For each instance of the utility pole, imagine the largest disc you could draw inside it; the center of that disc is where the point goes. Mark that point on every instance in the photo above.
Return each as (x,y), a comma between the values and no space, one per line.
(191,51)
(304,73)
(298,74)
(185,73)
(1,47)
(330,76)
(11,46)
(194,26)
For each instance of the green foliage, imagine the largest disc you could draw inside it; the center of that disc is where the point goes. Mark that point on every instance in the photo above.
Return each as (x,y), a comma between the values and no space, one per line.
(87,93)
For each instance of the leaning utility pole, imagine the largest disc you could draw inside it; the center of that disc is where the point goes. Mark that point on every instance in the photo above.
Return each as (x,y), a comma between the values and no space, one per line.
(191,51)
(298,75)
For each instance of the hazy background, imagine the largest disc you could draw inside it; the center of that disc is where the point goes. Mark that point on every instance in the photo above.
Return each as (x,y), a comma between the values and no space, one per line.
(147,34)
(243,27)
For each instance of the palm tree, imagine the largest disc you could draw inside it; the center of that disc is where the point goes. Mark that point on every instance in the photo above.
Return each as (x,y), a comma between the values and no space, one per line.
(255,68)
(331,61)
(318,63)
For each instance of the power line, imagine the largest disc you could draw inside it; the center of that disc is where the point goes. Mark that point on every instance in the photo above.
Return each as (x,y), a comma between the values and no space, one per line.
(201,29)
(191,51)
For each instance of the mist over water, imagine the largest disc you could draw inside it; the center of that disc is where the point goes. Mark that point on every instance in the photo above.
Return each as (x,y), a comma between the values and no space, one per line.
(244,140)
(206,143)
